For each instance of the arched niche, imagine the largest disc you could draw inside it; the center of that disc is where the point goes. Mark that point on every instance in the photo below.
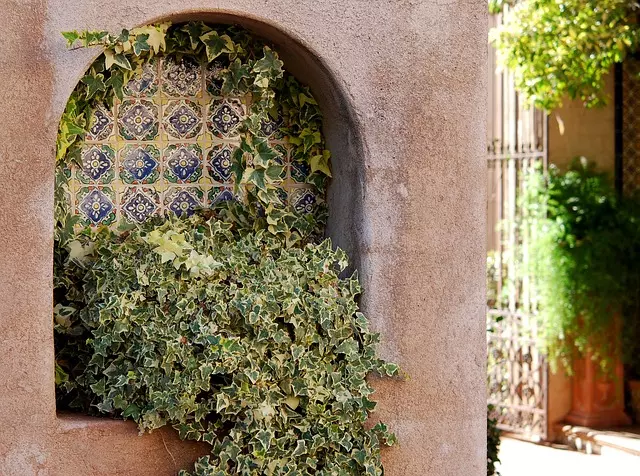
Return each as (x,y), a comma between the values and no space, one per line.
(115,444)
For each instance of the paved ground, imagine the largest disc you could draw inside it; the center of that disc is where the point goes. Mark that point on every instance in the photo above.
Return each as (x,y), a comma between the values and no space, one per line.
(519,458)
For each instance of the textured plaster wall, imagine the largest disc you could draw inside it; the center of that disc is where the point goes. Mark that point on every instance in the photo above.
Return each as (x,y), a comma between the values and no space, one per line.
(402,85)
(577,131)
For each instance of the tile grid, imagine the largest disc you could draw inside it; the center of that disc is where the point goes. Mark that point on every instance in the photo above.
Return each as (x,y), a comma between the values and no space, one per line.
(166,147)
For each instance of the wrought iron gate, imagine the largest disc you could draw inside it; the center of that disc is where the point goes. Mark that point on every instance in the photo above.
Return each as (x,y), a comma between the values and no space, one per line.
(517,369)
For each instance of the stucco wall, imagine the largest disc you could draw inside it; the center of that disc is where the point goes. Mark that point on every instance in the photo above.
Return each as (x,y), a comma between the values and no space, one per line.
(577,131)
(404,84)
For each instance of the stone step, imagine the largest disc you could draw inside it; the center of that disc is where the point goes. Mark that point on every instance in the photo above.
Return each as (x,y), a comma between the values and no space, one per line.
(618,442)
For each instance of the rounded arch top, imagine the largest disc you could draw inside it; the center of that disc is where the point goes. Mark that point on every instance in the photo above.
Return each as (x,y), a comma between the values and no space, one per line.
(341,126)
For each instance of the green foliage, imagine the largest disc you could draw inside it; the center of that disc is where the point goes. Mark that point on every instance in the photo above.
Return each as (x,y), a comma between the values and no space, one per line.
(234,339)
(564,47)
(493,443)
(585,260)
(234,325)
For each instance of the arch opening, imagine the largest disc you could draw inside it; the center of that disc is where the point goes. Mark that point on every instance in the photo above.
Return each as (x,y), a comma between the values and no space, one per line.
(339,127)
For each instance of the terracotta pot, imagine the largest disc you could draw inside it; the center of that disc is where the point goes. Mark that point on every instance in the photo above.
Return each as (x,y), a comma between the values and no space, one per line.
(634,386)
(598,399)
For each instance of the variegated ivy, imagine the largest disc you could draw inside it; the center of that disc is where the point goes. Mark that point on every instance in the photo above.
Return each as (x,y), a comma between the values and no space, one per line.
(234,339)
(234,325)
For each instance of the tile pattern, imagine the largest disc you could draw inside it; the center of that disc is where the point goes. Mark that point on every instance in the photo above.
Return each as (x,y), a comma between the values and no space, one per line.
(166,147)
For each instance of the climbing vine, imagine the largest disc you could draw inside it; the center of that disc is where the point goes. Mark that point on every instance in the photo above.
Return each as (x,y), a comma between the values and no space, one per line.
(233,325)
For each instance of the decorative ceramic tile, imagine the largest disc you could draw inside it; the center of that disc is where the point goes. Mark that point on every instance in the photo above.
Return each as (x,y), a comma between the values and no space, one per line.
(138,119)
(213,78)
(182,119)
(139,164)
(181,77)
(303,200)
(183,200)
(225,117)
(100,125)
(222,194)
(96,205)
(140,203)
(219,162)
(272,129)
(300,171)
(97,164)
(167,147)
(144,83)
(183,163)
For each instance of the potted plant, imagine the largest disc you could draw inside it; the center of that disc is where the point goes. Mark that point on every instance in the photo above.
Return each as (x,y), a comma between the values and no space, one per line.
(580,249)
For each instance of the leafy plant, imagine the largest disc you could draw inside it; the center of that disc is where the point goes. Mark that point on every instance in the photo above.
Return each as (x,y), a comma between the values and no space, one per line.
(493,442)
(564,47)
(233,325)
(583,260)
(234,339)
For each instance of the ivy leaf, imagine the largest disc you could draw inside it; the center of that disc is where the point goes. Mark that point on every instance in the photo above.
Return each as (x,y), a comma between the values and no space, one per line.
(92,38)
(116,81)
(71,37)
(390,369)
(216,44)
(194,30)
(310,138)
(234,77)
(141,44)
(123,36)
(320,163)
(301,449)
(255,177)
(111,58)
(94,84)
(74,129)
(264,153)
(155,38)
(60,375)
(264,437)
(269,63)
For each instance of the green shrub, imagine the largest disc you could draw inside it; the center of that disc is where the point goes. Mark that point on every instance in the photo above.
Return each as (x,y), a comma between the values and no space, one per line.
(493,443)
(234,339)
(585,261)
(558,48)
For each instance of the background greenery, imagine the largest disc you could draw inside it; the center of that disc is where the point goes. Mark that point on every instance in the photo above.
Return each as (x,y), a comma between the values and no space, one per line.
(559,48)
(585,258)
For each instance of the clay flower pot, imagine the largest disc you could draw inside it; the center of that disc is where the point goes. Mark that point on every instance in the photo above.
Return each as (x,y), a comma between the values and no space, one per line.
(634,386)
(597,398)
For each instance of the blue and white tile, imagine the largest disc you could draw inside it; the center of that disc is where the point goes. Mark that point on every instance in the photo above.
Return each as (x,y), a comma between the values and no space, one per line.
(181,77)
(97,164)
(139,204)
(182,119)
(182,163)
(139,164)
